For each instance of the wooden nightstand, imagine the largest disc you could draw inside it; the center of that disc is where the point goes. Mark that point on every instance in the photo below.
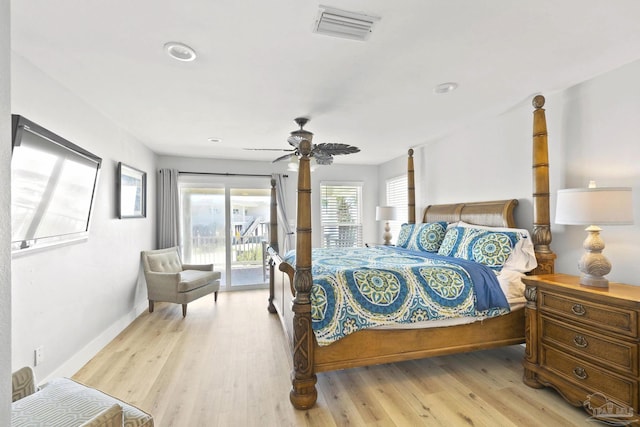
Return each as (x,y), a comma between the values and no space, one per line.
(583,341)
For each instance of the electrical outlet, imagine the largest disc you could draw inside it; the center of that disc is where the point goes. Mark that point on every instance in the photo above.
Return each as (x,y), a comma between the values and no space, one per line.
(39,356)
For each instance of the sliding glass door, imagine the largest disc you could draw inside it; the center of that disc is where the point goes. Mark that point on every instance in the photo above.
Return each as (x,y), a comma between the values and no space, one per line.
(226,223)
(250,228)
(203,223)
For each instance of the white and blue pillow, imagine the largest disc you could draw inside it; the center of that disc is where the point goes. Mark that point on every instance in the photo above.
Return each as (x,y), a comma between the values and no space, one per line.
(488,247)
(425,237)
(406,230)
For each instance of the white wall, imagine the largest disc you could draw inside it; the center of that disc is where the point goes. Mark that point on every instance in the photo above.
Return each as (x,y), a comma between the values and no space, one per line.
(593,130)
(487,160)
(5,216)
(336,172)
(72,300)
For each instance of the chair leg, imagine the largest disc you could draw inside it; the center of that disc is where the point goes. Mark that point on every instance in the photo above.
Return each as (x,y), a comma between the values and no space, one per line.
(184,310)
(150,306)
(215,296)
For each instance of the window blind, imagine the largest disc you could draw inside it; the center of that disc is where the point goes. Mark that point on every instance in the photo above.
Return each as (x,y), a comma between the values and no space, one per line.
(341,215)
(397,195)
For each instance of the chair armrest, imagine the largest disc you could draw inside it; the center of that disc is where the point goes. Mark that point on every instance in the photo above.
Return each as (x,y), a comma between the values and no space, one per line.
(155,279)
(23,383)
(201,267)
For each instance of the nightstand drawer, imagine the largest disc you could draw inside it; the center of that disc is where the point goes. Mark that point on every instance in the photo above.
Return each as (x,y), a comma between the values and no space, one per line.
(589,377)
(602,317)
(598,348)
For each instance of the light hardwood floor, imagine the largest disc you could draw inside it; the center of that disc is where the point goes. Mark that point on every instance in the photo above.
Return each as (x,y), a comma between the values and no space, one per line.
(227,364)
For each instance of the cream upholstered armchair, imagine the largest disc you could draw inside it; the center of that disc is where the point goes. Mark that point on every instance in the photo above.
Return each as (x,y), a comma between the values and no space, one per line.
(171,281)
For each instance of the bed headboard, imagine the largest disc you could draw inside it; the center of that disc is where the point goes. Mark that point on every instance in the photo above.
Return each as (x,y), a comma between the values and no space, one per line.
(497,213)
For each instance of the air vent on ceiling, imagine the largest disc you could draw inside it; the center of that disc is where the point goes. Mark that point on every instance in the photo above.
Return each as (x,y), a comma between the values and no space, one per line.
(340,23)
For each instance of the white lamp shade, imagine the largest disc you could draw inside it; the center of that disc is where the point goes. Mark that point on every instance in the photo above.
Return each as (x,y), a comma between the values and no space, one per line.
(594,206)
(386,213)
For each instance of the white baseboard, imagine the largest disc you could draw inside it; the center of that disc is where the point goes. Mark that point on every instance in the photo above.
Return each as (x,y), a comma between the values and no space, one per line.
(81,358)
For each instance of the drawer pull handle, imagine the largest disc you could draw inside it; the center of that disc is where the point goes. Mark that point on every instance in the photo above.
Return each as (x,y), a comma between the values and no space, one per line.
(580,373)
(580,341)
(578,310)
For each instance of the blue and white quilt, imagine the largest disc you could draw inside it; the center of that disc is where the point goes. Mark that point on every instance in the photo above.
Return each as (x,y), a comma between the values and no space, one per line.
(359,288)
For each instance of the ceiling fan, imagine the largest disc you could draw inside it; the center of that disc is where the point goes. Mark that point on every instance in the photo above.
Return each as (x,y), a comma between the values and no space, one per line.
(322,153)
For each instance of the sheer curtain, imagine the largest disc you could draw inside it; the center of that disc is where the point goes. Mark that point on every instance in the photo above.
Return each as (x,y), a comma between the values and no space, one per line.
(283,220)
(168,208)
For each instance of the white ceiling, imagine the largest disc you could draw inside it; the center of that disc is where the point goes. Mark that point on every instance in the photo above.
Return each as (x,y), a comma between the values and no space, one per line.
(259,66)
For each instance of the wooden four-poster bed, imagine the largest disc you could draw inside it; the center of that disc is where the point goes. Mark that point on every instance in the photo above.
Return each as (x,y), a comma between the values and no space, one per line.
(290,288)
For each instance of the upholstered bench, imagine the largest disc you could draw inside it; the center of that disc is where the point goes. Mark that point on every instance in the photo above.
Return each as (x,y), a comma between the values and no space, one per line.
(63,402)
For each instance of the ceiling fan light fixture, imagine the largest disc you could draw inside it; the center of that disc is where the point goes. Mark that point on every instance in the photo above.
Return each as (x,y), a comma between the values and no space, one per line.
(294,164)
(445,87)
(180,51)
(341,23)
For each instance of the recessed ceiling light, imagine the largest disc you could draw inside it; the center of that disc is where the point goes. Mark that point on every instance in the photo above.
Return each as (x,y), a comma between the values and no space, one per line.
(445,87)
(214,139)
(180,51)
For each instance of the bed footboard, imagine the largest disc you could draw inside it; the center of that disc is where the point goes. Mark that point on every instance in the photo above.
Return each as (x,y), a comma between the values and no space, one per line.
(281,291)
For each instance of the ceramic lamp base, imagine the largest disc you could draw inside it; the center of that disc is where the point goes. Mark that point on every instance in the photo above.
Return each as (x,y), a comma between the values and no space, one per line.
(593,265)
(387,234)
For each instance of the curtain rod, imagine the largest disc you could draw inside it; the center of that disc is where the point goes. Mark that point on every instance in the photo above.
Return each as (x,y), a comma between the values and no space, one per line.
(229,174)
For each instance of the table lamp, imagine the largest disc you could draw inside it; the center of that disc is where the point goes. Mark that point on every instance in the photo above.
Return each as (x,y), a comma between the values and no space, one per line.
(386,213)
(591,206)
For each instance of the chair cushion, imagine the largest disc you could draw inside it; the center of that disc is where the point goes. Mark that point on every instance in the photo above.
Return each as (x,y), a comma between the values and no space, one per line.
(64,402)
(194,279)
(165,262)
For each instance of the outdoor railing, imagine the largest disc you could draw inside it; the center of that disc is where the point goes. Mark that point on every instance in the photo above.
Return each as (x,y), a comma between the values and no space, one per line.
(210,249)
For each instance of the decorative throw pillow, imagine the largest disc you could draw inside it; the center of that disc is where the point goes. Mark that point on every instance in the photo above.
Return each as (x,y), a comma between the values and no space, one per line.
(406,231)
(491,248)
(427,237)
(523,257)
(452,240)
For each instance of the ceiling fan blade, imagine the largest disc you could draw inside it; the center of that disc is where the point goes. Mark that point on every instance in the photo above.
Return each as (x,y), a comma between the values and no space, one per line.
(285,157)
(336,148)
(269,149)
(323,158)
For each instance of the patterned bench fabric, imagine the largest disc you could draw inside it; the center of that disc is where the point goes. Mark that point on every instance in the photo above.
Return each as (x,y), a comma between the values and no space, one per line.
(64,402)
(110,417)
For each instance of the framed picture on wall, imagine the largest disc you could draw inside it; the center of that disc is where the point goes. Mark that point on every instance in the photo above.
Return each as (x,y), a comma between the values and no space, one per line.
(132,192)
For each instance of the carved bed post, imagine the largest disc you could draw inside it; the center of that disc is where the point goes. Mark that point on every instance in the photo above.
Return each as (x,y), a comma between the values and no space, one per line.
(541,218)
(273,243)
(411,188)
(303,394)
(541,235)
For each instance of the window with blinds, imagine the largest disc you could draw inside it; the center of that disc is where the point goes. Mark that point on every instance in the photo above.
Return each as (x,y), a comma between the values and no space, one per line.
(397,195)
(341,215)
